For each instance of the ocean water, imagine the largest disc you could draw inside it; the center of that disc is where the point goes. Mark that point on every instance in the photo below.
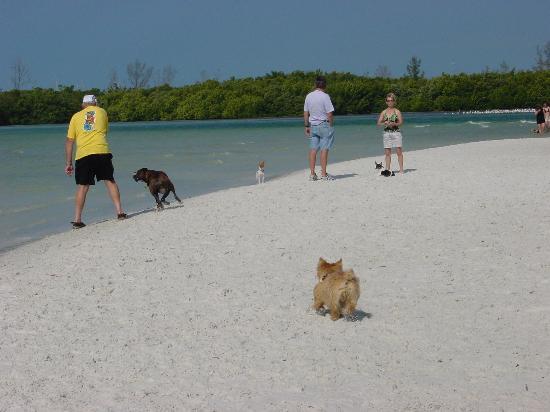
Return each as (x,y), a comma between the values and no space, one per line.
(200,157)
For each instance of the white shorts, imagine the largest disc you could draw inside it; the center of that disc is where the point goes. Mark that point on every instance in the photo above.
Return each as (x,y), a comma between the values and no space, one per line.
(392,139)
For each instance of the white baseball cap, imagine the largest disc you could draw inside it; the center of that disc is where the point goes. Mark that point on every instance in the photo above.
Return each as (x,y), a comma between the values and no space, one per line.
(89,98)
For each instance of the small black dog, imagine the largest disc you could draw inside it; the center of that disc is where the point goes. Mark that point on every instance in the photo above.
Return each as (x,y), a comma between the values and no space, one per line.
(157,182)
(387,173)
(377,165)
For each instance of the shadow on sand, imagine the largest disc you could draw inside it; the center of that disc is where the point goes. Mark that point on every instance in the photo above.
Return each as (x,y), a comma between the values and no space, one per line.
(142,212)
(345,176)
(357,316)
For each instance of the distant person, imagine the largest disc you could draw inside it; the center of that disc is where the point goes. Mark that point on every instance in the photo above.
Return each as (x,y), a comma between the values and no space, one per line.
(391,119)
(546,111)
(88,128)
(318,121)
(539,113)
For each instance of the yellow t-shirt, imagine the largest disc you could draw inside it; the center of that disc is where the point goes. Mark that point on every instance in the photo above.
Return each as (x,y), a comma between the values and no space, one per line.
(89,128)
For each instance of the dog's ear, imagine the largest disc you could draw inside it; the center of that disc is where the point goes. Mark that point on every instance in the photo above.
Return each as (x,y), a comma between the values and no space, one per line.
(322,261)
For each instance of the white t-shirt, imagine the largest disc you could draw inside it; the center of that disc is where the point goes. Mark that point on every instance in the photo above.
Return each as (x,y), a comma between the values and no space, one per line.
(318,105)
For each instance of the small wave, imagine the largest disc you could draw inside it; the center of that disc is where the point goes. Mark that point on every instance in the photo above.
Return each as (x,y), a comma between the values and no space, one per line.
(481,124)
(169,155)
(422,125)
(528,121)
(22,209)
(28,225)
(19,151)
(495,111)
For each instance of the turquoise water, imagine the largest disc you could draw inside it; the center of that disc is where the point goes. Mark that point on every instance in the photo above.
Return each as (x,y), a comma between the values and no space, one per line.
(199,156)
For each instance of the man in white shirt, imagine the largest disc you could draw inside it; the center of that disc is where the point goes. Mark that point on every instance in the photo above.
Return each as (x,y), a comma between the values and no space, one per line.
(318,121)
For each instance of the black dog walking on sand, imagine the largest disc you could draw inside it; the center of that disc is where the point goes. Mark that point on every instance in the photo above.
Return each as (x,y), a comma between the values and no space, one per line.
(157,182)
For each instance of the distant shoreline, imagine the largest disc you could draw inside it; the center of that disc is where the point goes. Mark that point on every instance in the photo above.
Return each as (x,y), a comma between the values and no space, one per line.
(281,95)
(297,118)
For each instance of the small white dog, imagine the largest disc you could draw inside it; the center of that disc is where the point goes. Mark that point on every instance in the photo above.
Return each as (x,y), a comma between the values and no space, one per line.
(260,174)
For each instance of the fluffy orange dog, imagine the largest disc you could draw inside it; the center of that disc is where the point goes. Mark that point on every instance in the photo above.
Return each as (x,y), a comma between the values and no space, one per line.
(338,290)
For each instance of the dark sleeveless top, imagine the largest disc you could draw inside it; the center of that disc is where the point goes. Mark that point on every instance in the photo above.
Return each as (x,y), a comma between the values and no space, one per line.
(540,116)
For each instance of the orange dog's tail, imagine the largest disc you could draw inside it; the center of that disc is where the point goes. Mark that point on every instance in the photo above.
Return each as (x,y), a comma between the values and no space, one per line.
(351,285)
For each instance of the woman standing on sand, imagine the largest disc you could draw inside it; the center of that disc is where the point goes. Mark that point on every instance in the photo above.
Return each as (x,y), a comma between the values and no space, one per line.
(391,119)
(540,119)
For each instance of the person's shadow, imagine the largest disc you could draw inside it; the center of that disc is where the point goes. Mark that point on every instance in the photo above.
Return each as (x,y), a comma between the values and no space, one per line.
(409,170)
(344,176)
(142,212)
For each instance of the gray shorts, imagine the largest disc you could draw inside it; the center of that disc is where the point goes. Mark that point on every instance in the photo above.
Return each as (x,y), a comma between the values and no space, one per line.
(393,139)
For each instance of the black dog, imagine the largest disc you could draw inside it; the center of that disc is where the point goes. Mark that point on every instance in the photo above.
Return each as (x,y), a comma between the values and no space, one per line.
(157,182)
(377,165)
(387,173)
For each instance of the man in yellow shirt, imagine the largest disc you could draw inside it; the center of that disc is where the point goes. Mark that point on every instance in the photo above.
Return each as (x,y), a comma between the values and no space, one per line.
(88,128)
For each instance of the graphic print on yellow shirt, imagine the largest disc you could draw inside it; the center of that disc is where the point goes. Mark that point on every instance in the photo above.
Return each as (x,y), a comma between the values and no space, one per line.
(89,121)
(89,129)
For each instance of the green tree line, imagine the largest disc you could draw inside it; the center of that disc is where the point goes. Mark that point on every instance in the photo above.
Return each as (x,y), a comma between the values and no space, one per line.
(279,94)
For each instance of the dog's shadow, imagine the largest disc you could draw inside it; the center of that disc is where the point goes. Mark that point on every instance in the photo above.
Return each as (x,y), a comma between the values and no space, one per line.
(357,316)
(154,209)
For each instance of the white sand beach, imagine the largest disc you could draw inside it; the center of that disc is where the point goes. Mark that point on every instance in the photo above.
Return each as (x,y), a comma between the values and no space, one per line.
(206,307)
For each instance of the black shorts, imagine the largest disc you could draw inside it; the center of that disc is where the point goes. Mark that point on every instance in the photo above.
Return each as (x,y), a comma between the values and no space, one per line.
(98,166)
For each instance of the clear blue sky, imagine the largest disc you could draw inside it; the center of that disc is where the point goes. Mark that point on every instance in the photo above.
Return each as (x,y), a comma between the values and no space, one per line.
(79,42)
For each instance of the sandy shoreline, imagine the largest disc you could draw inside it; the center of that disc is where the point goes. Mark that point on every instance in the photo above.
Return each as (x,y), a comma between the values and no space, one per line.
(205,307)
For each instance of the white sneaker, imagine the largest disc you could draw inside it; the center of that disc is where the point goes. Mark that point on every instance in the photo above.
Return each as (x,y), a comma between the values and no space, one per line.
(313,178)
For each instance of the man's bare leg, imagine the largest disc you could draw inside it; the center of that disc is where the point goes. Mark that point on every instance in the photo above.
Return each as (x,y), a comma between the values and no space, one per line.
(79,200)
(324,161)
(312,160)
(114,194)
